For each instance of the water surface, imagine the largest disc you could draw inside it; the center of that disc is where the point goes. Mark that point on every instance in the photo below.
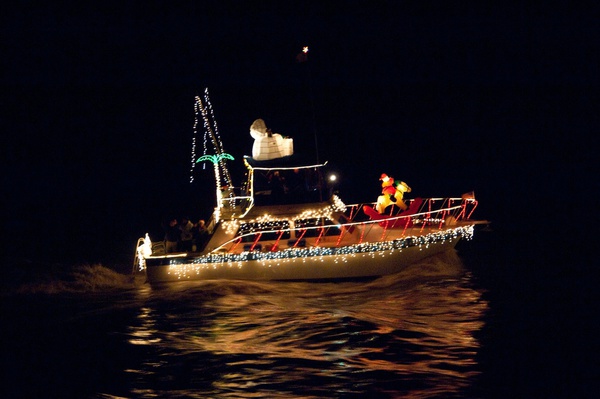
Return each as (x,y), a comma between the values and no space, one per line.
(99,334)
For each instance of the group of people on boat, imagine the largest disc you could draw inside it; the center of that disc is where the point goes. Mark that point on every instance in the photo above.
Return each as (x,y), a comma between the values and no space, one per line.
(287,186)
(182,235)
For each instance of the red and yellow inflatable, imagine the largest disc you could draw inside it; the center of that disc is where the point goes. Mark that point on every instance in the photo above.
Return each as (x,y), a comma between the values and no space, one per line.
(391,193)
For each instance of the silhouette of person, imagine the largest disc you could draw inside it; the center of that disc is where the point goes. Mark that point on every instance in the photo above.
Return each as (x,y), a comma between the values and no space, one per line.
(187,234)
(277,183)
(200,235)
(172,235)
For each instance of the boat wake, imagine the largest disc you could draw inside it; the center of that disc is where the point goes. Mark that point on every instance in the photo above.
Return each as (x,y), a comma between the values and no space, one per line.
(28,277)
(443,265)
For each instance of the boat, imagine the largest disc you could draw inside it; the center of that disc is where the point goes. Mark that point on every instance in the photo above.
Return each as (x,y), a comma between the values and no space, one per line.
(285,222)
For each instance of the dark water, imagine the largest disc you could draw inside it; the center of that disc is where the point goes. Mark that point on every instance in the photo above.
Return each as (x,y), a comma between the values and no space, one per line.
(431,331)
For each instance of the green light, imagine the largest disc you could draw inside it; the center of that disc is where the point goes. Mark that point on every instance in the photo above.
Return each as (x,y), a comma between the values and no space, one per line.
(215,158)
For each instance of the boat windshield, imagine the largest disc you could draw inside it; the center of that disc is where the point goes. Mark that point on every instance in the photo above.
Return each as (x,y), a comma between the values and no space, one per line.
(288,185)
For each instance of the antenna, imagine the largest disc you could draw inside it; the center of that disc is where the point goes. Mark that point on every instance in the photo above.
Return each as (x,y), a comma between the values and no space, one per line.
(302,57)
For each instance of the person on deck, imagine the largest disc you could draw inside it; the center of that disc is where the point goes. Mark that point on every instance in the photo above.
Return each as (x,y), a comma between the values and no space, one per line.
(278,188)
(186,228)
(200,235)
(172,236)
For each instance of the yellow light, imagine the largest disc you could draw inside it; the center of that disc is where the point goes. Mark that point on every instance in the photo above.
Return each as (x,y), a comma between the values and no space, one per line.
(305,49)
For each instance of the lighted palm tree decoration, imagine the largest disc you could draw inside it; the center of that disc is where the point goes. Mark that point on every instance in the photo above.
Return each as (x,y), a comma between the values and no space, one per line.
(205,117)
(216,160)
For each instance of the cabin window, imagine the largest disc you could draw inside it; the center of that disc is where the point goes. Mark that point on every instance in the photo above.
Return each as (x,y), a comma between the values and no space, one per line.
(270,231)
(288,186)
(313,227)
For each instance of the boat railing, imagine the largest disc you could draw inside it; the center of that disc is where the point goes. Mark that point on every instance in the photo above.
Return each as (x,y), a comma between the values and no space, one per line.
(144,248)
(428,205)
(433,213)
(235,200)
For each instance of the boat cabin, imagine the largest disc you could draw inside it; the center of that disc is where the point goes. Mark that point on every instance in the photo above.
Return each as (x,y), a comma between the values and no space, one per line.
(283,182)
(275,182)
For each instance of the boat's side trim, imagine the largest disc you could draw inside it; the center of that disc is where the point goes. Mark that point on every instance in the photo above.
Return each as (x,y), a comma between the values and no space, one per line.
(169,256)
(312,263)
(465,232)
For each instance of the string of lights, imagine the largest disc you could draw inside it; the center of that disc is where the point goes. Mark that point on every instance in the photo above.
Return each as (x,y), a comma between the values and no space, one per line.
(216,137)
(204,109)
(184,267)
(194,136)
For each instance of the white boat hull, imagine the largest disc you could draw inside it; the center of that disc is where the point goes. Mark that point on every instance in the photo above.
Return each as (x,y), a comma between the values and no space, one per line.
(321,267)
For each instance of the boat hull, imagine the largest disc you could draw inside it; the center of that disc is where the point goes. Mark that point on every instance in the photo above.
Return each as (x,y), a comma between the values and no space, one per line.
(319,267)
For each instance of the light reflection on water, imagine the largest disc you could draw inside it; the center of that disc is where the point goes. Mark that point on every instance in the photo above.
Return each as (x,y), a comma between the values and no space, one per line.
(407,335)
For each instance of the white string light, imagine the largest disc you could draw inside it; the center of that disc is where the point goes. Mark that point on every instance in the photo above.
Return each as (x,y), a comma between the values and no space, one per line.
(217,142)
(195,134)
(185,268)
(211,133)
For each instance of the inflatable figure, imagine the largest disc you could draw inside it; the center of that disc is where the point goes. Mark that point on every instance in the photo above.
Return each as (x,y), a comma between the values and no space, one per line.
(269,145)
(387,193)
(391,193)
(401,188)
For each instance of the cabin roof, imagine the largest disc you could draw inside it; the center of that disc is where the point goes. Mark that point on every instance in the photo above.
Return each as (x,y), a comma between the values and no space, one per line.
(291,162)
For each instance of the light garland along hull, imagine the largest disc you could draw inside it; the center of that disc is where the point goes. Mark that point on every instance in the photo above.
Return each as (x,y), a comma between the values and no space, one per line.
(317,263)
(326,267)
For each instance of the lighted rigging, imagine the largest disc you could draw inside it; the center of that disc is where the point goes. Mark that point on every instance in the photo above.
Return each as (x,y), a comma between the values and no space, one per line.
(211,133)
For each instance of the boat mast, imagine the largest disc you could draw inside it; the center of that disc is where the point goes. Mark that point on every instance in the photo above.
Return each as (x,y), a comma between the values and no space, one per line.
(302,58)
(211,133)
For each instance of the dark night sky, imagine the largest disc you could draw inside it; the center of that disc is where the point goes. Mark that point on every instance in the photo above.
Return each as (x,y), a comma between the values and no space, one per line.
(97,105)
